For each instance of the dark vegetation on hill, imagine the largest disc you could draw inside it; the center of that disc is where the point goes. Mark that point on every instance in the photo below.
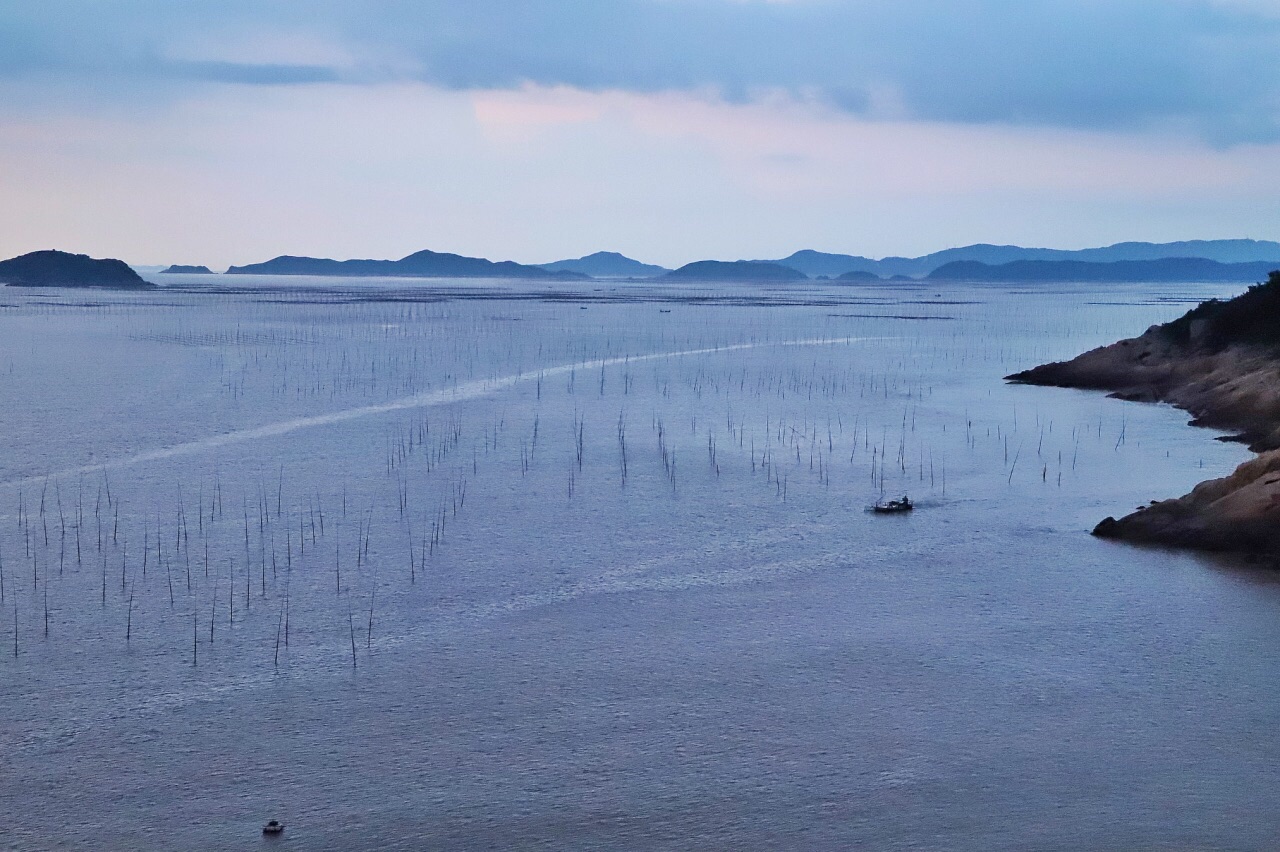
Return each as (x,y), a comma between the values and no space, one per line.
(1252,318)
(61,269)
(179,269)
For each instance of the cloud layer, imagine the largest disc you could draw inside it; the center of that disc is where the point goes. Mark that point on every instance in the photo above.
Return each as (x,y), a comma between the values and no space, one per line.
(672,130)
(1175,66)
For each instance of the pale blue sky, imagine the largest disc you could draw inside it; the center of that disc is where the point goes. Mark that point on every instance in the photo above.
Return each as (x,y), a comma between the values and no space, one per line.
(667,129)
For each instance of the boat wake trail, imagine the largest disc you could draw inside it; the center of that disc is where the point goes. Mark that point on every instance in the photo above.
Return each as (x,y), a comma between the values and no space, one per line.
(461,392)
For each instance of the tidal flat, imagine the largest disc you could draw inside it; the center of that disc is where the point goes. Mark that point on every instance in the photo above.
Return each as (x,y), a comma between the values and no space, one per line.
(547,565)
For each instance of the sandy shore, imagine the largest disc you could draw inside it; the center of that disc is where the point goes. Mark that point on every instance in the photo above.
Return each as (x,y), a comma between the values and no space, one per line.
(1235,388)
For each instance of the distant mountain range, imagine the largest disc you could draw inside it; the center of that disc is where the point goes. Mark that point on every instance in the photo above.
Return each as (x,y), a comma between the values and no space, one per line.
(1173,269)
(1193,260)
(61,269)
(815,263)
(422,264)
(738,270)
(607,264)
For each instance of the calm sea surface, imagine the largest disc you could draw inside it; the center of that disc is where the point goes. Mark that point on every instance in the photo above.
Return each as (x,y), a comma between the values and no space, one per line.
(494,565)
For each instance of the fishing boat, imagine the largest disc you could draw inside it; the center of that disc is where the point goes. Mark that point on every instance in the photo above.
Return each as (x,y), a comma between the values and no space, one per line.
(273,826)
(894,507)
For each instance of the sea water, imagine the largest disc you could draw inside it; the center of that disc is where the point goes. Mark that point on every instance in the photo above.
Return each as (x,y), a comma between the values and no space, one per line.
(580,565)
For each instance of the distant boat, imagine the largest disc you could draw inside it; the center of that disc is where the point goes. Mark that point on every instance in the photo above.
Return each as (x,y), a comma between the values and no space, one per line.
(273,827)
(894,507)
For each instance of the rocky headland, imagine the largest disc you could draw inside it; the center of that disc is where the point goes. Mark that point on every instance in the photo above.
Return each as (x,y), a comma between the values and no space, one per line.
(1221,363)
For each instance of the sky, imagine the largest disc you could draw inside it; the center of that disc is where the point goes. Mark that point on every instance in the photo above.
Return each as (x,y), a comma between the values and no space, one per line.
(230,132)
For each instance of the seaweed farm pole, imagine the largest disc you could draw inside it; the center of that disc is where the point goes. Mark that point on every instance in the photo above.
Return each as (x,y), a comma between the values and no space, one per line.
(213,607)
(248,561)
(373,597)
(368,531)
(412,576)
(279,623)
(350,627)
(423,549)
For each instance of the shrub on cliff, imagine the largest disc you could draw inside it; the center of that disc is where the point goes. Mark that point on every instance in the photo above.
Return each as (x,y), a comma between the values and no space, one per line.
(1252,317)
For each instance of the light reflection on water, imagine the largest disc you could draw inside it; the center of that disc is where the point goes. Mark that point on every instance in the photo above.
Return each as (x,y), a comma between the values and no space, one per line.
(602,559)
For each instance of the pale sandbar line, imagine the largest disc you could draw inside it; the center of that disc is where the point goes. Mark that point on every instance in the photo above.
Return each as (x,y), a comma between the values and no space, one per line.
(459,393)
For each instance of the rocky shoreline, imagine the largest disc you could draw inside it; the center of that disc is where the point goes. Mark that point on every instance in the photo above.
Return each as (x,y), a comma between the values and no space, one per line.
(1221,363)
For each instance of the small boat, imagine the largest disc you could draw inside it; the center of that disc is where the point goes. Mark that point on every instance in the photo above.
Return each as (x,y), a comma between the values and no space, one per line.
(273,826)
(894,507)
